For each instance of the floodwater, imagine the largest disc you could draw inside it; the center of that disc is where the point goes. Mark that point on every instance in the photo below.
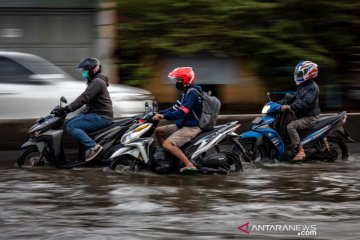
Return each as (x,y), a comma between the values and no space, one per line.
(279,201)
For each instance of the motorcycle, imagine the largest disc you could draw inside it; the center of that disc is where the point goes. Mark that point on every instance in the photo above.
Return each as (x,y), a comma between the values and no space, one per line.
(45,145)
(138,152)
(320,141)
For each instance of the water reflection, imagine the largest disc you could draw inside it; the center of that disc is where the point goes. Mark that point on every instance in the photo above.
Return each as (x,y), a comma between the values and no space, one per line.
(97,204)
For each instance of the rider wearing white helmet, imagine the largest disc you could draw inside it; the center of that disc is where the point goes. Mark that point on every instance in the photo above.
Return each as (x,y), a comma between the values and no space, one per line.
(305,103)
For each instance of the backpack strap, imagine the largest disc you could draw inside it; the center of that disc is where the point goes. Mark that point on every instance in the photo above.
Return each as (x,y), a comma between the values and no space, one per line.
(197,91)
(194,113)
(200,95)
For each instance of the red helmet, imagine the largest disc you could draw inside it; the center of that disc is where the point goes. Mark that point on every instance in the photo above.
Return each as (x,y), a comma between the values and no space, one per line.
(186,74)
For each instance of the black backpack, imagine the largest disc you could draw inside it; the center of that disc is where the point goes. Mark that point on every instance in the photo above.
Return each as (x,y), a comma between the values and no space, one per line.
(210,110)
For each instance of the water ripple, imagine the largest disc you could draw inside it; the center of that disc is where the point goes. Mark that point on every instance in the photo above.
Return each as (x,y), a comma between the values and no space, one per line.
(98,204)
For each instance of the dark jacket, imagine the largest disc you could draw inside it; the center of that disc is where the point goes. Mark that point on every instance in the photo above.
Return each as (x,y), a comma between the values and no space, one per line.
(182,110)
(96,97)
(282,120)
(305,102)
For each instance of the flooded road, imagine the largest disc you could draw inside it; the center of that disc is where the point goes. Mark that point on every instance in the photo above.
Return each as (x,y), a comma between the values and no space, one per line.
(268,202)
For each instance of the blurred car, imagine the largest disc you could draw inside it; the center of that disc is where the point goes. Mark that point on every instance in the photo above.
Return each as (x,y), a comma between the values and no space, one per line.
(30,87)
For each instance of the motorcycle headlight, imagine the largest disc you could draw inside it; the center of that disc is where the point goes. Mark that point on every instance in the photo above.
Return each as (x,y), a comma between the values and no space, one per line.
(135,133)
(265,109)
(126,138)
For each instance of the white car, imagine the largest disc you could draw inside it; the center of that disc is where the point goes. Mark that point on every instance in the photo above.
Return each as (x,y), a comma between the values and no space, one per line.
(30,87)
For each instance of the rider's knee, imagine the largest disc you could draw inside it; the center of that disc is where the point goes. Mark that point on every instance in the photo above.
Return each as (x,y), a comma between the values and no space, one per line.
(290,126)
(167,144)
(158,131)
(68,127)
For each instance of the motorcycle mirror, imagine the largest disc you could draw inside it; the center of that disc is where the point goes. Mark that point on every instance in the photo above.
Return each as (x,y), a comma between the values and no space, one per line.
(268,95)
(63,99)
(155,106)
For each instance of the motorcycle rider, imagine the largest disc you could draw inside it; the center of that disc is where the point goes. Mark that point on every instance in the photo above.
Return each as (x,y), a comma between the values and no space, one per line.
(305,103)
(173,136)
(99,112)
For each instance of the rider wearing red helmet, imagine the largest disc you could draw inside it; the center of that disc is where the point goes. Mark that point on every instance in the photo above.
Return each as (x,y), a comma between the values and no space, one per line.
(173,136)
(305,103)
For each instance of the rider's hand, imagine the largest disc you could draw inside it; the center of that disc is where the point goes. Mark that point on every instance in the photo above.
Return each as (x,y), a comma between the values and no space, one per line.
(285,107)
(157,117)
(61,111)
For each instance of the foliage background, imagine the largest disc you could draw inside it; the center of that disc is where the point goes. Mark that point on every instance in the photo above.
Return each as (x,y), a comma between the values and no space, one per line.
(273,35)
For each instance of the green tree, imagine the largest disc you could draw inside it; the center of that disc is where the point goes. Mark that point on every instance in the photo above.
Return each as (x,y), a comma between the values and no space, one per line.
(275,35)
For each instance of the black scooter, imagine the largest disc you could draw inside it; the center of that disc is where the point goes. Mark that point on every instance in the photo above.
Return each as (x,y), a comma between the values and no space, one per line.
(45,145)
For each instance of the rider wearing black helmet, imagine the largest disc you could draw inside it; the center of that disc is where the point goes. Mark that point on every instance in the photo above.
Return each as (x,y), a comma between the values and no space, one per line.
(98,113)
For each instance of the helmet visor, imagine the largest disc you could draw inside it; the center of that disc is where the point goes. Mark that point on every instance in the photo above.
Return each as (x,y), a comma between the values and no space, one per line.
(299,74)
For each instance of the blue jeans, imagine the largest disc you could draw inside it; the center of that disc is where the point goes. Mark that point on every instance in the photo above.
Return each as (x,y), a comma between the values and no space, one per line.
(78,126)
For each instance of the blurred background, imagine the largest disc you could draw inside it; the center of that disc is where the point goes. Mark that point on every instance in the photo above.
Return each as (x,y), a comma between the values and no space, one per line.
(242,48)
(239,49)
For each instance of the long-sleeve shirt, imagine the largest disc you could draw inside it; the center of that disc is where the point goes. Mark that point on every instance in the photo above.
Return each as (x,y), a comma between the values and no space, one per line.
(96,97)
(305,102)
(182,111)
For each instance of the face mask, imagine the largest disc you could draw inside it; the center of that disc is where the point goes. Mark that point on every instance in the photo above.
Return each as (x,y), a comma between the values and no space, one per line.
(179,86)
(85,74)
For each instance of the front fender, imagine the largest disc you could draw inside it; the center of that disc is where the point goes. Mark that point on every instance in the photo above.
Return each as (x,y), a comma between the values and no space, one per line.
(126,151)
(40,145)
(269,135)
(252,134)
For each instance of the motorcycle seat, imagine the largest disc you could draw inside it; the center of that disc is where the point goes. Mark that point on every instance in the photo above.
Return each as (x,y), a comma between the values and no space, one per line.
(202,134)
(322,122)
(119,122)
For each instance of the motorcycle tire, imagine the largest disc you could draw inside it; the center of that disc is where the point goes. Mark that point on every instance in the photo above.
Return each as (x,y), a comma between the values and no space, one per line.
(124,163)
(30,157)
(248,145)
(338,149)
(233,161)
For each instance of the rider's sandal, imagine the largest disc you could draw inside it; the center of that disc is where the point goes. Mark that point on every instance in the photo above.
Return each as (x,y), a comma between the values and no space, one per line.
(299,157)
(189,170)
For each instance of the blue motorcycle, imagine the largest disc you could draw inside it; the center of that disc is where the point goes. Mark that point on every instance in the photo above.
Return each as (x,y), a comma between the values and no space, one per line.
(320,142)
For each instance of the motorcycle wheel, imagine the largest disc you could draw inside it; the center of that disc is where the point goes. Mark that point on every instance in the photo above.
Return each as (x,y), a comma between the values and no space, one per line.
(233,161)
(125,163)
(30,157)
(338,150)
(248,145)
